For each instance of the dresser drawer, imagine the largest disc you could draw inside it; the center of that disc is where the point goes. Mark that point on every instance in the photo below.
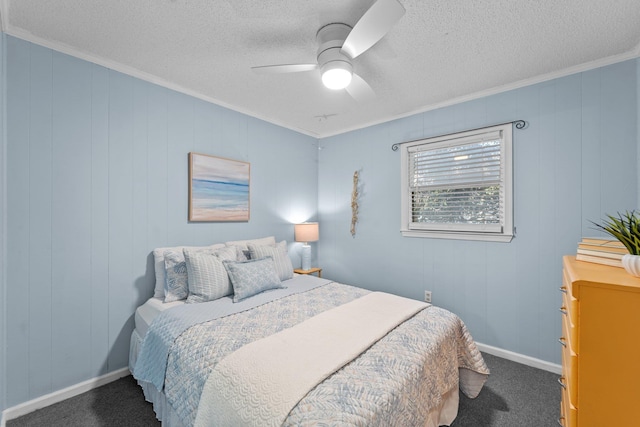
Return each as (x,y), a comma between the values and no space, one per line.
(568,413)
(570,371)
(569,331)
(566,280)
(569,303)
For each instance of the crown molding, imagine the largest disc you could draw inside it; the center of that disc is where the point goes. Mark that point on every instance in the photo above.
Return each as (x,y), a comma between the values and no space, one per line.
(134,72)
(603,62)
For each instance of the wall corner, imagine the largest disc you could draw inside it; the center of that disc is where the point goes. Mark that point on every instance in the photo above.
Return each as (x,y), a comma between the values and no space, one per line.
(638,128)
(3,228)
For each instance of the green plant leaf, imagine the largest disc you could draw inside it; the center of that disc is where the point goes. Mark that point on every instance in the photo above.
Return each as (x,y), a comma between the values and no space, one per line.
(625,227)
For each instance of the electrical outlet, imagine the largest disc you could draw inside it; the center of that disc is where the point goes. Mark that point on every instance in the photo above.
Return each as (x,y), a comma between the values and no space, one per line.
(427,296)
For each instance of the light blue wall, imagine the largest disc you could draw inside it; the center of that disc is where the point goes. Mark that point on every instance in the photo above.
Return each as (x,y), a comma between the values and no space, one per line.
(576,160)
(97,178)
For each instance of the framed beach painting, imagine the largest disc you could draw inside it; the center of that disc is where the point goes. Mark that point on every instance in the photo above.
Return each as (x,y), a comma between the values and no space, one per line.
(218,189)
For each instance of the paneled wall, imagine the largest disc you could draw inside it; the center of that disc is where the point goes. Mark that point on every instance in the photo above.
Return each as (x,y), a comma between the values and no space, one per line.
(96,178)
(575,161)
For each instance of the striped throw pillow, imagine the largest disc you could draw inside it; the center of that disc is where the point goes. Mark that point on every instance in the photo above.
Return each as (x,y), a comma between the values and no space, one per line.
(284,267)
(208,279)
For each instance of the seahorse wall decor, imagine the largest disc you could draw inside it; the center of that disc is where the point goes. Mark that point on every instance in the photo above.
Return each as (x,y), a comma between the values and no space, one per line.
(354,204)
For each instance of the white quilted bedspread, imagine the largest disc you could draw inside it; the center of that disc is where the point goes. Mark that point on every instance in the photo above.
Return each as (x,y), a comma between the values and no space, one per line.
(260,383)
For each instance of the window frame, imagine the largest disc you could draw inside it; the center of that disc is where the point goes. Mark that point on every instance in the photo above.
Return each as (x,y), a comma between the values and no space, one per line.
(445,231)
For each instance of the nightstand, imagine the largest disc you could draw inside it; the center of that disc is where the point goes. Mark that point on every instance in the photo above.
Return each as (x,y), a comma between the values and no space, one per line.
(309,271)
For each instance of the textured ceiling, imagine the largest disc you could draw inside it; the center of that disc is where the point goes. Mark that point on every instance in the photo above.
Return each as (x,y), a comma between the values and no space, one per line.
(440,52)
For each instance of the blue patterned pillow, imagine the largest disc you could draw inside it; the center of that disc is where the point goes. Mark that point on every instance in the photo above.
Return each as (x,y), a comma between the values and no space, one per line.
(252,277)
(175,285)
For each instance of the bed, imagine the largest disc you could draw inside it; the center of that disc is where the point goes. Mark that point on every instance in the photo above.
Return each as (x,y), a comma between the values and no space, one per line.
(305,351)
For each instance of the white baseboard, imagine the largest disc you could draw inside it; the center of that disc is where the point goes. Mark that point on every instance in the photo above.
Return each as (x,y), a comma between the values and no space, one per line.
(521,358)
(60,395)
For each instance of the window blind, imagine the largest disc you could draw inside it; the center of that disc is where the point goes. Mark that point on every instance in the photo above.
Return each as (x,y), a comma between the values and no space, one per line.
(457,184)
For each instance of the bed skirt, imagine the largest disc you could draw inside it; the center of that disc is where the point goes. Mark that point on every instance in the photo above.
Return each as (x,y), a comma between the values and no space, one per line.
(164,412)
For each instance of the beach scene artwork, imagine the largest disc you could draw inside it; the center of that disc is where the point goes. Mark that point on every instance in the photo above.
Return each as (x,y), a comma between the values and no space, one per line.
(218,189)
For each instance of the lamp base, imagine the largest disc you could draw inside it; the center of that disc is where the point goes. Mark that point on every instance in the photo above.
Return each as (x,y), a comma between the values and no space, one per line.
(306,256)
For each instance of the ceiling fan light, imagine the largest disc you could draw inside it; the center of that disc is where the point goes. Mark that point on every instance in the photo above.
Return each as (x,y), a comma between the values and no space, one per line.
(337,75)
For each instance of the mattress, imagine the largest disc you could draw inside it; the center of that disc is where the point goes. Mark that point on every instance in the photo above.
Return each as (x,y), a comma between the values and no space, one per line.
(149,310)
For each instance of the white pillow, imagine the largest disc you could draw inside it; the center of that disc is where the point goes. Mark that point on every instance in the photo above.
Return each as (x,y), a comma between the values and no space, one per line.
(284,267)
(241,254)
(159,268)
(243,248)
(208,279)
(271,240)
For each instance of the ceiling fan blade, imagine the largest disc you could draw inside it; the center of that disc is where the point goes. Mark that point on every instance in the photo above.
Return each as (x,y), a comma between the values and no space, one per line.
(374,24)
(360,90)
(284,68)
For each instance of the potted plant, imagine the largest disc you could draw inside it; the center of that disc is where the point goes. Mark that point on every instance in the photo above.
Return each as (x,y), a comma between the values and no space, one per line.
(626,229)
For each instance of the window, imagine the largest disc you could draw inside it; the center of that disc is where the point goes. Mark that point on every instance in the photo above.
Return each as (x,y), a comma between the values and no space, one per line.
(459,186)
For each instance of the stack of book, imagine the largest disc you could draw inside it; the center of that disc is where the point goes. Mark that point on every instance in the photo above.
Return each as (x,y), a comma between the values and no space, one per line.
(601,251)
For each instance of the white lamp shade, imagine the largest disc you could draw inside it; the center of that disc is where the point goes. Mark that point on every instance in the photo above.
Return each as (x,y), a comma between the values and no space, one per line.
(306,232)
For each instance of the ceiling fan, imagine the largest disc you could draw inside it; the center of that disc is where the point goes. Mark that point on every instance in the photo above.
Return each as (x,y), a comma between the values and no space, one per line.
(339,45)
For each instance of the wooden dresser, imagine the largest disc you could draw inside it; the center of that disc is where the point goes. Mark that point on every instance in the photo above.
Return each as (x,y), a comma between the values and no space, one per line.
(600,346)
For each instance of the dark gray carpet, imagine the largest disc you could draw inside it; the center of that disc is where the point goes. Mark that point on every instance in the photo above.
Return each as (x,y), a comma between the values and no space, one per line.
(514,395)
(120,403)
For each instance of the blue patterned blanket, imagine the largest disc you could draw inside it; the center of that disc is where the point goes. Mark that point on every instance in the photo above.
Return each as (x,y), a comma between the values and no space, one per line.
(396,382)
(170,324)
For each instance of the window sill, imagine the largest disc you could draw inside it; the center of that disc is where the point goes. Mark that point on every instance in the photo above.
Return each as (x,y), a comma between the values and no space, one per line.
(505,238)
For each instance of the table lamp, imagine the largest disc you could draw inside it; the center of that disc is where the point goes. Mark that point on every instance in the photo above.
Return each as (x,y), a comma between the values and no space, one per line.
(306,232)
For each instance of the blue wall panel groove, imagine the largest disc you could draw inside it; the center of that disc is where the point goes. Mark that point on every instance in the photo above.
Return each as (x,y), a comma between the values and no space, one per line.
(70,219)
(3,229)
(99,340)
(40,244)
(18,239)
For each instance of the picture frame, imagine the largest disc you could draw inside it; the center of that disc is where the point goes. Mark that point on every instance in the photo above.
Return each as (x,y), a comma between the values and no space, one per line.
(219,189)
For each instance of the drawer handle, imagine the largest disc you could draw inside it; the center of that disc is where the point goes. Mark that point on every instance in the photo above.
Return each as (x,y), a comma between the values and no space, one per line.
(563,310)
(561,421)
(563,289)
(562,384)
(563,341)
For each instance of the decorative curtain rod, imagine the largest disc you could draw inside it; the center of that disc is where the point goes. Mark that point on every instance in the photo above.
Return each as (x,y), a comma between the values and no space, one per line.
(519,124)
